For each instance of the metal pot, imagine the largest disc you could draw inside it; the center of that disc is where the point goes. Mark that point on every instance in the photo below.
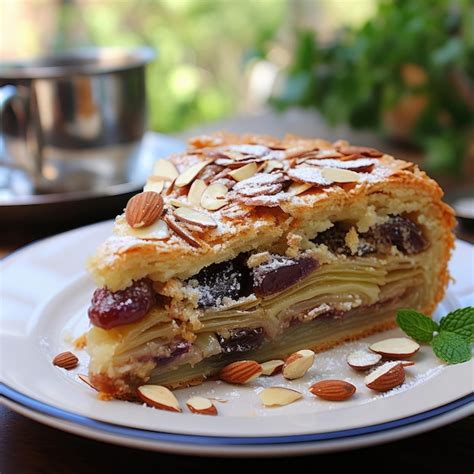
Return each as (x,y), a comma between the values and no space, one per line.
(74,122)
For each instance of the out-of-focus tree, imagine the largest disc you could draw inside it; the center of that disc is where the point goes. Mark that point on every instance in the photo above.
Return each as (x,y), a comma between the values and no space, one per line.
(407,72)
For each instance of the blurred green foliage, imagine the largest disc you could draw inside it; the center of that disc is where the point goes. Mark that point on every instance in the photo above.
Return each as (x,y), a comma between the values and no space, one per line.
(408,72)
(201,47)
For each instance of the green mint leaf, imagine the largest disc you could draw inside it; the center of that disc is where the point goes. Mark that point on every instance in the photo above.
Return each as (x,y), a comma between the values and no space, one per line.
(416,325)
(460,322)
(451,347)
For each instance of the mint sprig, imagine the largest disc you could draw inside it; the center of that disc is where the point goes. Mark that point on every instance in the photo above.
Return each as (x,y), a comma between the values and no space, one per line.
(460,322)
(451,347)
(416,325)
(451,339)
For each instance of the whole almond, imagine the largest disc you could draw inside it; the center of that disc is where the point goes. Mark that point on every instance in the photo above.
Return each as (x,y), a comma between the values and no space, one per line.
(144,209)
(297,364)
(240,372)
(334,390)
(66,360)
(386,377)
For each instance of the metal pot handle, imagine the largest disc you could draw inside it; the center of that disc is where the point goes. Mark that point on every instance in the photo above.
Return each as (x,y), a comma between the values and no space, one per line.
(18,98)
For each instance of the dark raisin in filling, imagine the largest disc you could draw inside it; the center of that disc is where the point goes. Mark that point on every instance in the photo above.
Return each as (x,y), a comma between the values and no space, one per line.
(229,279)
(280,273)
(398,231)
(115,308)
(241,340)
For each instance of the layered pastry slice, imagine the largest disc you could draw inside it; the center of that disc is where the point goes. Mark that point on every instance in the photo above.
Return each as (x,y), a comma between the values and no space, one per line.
(250,247)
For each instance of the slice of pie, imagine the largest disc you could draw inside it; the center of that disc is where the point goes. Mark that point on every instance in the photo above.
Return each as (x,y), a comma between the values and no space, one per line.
(250,247)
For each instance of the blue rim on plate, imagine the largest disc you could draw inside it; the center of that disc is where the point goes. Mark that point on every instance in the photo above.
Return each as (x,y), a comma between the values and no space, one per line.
(49,410)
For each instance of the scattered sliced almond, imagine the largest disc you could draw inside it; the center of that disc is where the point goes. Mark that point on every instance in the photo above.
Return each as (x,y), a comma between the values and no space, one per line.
(158,397)
(143,209)
(395,348)
(157,231)
(195,192)
(272,367)
(213,197)
(363,360)
(241,372)
(165,170)
(334,390)
(201,406)
(278,396)
(183,233)
(298,188)
(407,363)
(154,184)
(386,377)
(189,174)
(66,360)
(298,364)
(86,379)
(193,216)
(245,172)
(338,175)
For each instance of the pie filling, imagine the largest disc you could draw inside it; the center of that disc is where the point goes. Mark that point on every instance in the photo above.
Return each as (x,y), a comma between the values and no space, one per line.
(258,306)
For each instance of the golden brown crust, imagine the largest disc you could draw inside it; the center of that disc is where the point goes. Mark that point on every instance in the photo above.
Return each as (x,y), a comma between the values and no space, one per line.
(243,227)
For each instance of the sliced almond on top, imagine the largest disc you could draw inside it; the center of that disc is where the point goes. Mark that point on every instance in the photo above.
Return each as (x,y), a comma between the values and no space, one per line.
(195,192)
(362,150)
(245,172)
(193,216)
(272,367)
(386,377)
(298,188)
(154,183)
(158,397)
(363,360)
(183,233)
(395,348)
(273,165)
(298,364)
(338,175)
(157,231)
(241,372)
(165,169)
(213,197)
(278,396)
(179,203)
(144,209)
(201,406)
(189,174)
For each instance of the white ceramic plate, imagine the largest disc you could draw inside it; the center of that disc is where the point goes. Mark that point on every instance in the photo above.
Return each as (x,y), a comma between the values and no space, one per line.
(45,294)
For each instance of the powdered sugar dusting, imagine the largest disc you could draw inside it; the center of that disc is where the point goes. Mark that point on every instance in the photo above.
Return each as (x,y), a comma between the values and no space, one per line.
(308,175)
(353,165)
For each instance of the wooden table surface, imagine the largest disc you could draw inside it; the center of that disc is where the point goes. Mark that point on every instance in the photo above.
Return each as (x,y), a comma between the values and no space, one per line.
(29,447)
